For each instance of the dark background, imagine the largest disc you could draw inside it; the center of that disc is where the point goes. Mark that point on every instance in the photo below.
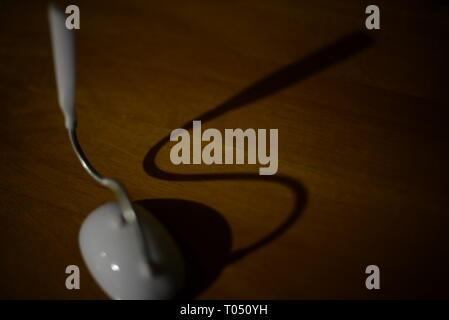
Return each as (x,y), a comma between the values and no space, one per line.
(363,144)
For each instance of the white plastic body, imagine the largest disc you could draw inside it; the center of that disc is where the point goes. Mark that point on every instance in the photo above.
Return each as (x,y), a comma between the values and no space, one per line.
(114,256)
(63,45)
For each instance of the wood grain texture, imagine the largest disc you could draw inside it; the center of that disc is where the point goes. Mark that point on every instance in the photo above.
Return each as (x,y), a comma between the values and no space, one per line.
(363,144)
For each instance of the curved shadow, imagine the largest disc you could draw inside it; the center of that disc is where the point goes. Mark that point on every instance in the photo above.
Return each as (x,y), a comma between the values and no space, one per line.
(280,79)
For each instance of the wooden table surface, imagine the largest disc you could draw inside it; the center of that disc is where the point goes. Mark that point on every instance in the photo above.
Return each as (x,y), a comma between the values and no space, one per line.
(363,144)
